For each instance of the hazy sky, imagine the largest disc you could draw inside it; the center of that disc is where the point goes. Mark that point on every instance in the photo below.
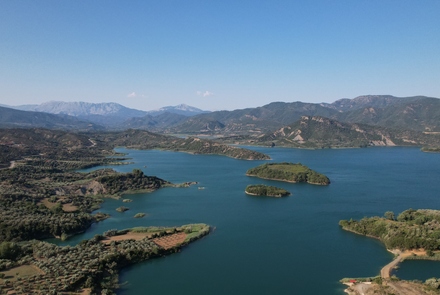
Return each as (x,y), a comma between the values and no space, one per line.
(216,54)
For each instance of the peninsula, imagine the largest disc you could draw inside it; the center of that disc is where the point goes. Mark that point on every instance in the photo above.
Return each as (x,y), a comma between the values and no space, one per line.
(266,190)
(412,235)
(288,172)
(92,266)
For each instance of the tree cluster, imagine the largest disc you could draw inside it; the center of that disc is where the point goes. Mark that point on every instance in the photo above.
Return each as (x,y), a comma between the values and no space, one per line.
(412,229)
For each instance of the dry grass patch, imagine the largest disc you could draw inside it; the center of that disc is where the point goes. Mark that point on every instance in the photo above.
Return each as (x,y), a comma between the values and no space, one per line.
(20,271)
(128,236)
(66,207)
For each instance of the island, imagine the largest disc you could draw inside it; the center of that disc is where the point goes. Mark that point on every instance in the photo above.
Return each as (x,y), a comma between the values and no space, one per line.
(288,172)
(266,190)
(413,234)
(431,149)
(92,266)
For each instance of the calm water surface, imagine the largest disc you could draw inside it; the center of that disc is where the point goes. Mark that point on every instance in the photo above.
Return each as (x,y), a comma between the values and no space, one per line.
(260,245)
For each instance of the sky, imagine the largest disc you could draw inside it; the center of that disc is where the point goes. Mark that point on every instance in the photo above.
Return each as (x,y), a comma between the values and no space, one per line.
(216,55)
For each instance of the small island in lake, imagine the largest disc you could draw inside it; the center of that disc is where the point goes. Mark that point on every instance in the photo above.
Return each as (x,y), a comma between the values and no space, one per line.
(288,172)
(413,234)
(266,190)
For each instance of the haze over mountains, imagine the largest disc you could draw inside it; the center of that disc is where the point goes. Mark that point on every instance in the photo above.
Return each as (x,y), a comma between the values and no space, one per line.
(389,119)
(110,115)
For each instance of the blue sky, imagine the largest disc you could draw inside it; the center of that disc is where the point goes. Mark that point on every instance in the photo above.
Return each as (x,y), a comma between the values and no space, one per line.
(216,54)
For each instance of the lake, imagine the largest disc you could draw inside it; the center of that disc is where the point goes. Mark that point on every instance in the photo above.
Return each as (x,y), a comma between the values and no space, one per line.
(261,245)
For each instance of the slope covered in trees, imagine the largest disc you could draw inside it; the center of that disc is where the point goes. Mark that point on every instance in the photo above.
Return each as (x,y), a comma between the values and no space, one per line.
(412,229)
(288,172)
(266,190)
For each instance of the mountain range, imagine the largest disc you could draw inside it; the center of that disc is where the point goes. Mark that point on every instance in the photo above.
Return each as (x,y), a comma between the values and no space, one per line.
(361,121)
(111,115)
(12,118)
(418,113)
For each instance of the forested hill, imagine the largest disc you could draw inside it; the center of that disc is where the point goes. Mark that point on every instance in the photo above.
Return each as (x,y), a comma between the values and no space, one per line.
(140,139)
(68,146)
(411,229)
(320,132)
(417,113)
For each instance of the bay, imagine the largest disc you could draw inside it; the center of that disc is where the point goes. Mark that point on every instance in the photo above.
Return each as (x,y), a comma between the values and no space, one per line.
(260,245)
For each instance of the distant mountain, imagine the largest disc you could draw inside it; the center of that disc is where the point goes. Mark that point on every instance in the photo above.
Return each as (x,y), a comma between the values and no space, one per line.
(253,120)
(80,109)
(320,132)
(419,113)
(376,101)
(181,109)
(10,118)
(106,114)
(152,123)
(111,115)
(407,113)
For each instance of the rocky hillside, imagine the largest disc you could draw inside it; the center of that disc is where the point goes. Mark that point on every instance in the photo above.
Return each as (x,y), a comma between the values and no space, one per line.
(407,113)
(319,132)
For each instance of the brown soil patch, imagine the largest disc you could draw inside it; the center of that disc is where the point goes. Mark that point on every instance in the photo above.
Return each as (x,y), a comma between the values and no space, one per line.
(168,242)
(417,252)
(69,208)
(66,207)
(23,271)
(127,236)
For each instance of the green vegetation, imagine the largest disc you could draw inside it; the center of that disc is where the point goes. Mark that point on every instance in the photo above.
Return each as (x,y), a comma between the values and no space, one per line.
(412,229)
(140,139)
(266,190)
(431,149)
(41,203)
(122,209)
(93,263)
(288,172)
(321,132)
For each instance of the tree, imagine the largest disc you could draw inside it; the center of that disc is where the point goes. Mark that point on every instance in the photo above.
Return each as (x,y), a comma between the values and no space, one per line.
(390,215)
(9,250)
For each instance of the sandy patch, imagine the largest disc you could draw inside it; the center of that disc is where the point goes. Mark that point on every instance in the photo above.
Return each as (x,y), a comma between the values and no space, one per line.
(386,270)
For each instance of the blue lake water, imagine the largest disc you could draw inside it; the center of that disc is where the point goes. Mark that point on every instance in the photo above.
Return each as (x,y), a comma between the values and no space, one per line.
(290,245)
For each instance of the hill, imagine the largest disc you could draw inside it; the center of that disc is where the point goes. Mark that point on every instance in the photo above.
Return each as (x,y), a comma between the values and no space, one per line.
(10,118)
(411,113)
(412,229)
(320,132)
(363,101)
(417,113)
(141,139)
(251,121)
